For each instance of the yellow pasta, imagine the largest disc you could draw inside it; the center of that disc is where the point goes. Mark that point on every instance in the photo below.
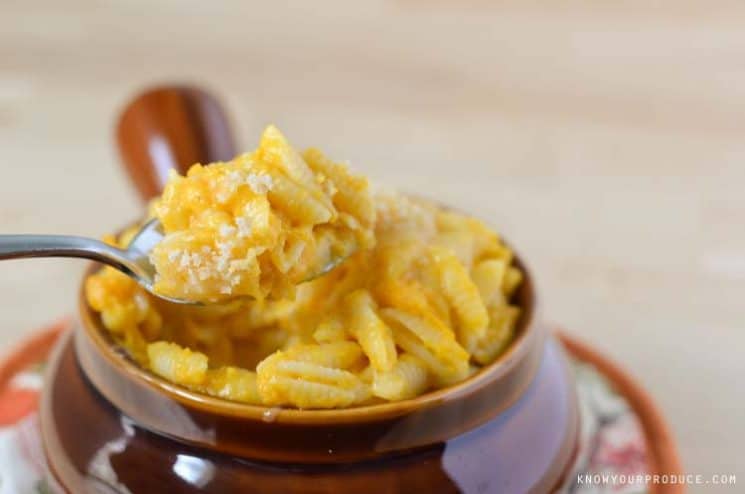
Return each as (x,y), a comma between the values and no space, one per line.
(463,295)
(177,364)
(330,330)
(373,334)
(302,393)
(489,278)
(248,227)
(431,331)
(275,150)
(423,299)
(512,279)
(408,378)
(234,384)
(346,187)
(460,243)
(341,354)
(443,372)
(498,335)
(312,375)
(298,203)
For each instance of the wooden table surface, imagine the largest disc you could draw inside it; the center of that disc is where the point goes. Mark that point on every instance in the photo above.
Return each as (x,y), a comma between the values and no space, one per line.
(605,139)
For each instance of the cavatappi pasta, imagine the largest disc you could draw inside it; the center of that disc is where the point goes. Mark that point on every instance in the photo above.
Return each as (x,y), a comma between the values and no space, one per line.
(258,225)
(422,309)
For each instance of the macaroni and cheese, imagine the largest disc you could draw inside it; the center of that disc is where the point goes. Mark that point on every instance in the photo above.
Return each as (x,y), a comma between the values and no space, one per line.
(422,302)
(258,225)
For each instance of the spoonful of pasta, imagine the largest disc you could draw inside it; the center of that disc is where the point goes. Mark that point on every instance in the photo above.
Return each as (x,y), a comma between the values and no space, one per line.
(253,227)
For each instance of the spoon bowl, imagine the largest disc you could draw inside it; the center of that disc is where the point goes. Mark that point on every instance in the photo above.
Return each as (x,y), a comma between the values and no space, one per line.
(134,261)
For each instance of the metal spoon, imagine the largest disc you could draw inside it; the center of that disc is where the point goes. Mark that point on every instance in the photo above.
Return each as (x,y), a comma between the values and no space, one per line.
(134,261)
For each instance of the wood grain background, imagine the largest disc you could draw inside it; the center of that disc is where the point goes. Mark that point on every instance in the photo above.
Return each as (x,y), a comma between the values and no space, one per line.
(603,138)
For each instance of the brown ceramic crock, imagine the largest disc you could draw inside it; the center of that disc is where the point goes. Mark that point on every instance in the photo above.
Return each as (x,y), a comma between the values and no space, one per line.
(111,427)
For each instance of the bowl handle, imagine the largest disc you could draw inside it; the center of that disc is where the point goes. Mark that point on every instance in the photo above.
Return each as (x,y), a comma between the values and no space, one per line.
(171,127)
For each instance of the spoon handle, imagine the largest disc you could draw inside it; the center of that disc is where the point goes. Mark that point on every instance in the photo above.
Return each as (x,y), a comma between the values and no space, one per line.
(171,127)
(25,246)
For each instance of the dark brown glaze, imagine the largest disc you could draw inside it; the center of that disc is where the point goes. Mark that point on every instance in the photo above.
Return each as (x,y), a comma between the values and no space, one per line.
(171,127)
(93,448)
(513,425)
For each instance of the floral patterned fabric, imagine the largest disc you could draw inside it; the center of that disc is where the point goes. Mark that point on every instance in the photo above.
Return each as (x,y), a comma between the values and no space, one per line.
(611,441)
(611,438)
(22,465)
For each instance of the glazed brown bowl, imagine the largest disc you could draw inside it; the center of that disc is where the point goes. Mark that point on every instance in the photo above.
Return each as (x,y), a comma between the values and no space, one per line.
(110,426)
(513,423)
